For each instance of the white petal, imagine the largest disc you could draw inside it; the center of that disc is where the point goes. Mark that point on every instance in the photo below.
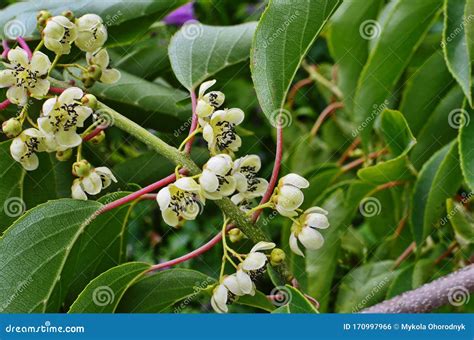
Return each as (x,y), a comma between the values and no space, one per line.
(7,78)
(241,182)
(219,299)
(262,245)
(101,58)
(316,210)
(41,88)
(231,283)
(208,133)
(170,217)
(205,86)
(295,180)
(70,95)
(83,113)
(235,116)
(68,139)
(110,76)
(311,238)
(208,181)
(30,163)
(294,245)
(163,198)
(290,197)
(187,184)
(284,212)
(219,164)
(204,109)
(63,21)
(92,183)
(77,192)
(245,283)
(252,161)
(317,220)
(17,95)
(18,56)
(48,106)
(254,261)
(17,148)
(40,62)
(55,46)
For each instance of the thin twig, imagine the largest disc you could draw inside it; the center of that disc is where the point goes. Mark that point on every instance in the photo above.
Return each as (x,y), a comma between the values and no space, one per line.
(347,153)
(294,90)
(448,252)
(360,161)
(406,253)
(331,108)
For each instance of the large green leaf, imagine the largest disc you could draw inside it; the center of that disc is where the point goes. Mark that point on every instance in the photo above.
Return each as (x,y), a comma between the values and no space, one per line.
(438,180)
(423,90)
(455,45)
(466,146)
(399,141)
(199,51)
(349,47)
(259,300)
(295,302)
(364,286)
(125,22)
(390,56)
(157,292)
(445,119)
(34,251)
(103,294)
(285,32)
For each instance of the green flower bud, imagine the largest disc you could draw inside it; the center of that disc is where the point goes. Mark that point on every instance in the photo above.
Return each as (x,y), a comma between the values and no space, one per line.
(235,235)
(99,138)
(89,100)
(277,256)
(94,72)
(12,127)
(63,156)
(81,168)
(43,15)
(69,15)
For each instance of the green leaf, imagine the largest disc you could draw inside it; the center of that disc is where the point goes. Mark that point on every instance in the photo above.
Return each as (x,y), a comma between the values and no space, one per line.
(469,28)
(11,189)
(284,34)
(410,278)
(364,286)
(348,46)
(443,119)
(466,146)
(125,23)
(400,141)
(155,293)
(455,45)
(423,91)
(438,180)
(259,300)
(34,251)
(103,294)
(379,77)
(297,303)
(198,51)
(143,100)
(461,219)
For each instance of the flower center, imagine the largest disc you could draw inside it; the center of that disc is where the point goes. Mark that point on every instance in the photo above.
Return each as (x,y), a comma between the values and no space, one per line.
(181,200)
(226,134)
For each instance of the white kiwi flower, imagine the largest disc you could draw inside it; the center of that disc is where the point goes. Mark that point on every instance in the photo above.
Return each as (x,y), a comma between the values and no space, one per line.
(256,259)
(91,33)
(248,184)
(304,230)
(59,34)
(101,59)
(288,197)
(91,180)
(208,102)
(216,179)
(237,284)
(219,131)
(25,77)
(25,146)
(61,117)
(181,200)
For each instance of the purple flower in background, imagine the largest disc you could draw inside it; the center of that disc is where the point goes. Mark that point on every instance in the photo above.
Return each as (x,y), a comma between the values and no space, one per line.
(180,15)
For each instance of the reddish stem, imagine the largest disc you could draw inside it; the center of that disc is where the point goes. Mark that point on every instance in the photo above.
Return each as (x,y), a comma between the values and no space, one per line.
(194,122)
(348,151)
(57,90)
(275,172)
(404,255)
(6,49)
(322,117)
(360,161)
(448,252)
(24,46)
(94,133)
(5,104)
(294,90)
(195,253)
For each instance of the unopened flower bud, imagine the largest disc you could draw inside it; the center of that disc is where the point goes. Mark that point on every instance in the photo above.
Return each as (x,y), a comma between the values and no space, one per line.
(12,127)
(43,15)
(277,257)
(89,100)
(99,138)
(235,235)
(63,156)
(94,72)
(69,15)
(81,168)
